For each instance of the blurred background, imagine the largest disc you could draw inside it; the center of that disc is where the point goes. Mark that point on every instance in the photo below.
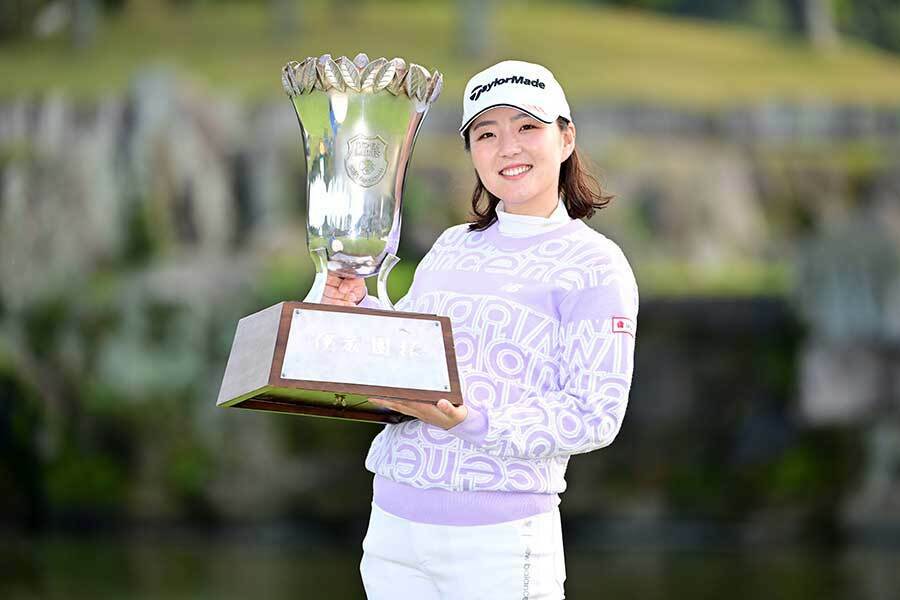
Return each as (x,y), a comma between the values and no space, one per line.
(152,193)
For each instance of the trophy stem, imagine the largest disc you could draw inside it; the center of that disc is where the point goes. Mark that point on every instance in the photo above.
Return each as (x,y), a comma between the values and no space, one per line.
(389,262)
(320,260)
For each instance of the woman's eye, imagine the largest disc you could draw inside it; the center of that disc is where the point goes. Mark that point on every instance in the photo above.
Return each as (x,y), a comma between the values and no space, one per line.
(485,134)
(529,126)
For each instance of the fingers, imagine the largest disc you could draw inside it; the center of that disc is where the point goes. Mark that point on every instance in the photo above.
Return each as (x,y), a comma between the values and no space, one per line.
(401,407)
(332,296)
(354,284)
(336,302)
(456,414)
(345,283)
(336,293)
(343,291)
(443,414)
(389,404)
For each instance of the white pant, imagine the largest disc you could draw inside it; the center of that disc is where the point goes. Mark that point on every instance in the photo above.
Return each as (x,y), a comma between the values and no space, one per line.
(515,560)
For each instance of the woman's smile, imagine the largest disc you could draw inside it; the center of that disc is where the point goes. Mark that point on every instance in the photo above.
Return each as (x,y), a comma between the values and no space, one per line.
(514,172)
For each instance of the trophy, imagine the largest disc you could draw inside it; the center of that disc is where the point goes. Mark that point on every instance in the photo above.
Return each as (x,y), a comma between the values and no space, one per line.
(359,120)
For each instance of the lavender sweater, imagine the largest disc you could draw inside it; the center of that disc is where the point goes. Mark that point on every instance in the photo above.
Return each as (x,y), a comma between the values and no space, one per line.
(544,328)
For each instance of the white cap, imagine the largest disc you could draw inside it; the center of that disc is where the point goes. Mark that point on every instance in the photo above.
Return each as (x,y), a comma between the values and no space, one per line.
(517,84)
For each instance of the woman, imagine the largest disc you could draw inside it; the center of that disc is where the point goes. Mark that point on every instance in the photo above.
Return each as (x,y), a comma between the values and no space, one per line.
(544,317)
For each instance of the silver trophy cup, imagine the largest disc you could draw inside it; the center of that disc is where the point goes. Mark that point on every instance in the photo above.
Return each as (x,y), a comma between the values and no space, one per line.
(359,121)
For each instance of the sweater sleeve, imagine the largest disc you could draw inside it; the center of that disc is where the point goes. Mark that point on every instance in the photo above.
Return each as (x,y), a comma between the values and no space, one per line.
(584,412)
(370,301)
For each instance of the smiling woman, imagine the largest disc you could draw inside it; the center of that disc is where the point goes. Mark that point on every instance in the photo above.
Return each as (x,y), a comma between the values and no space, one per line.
(519,156)
(544,312)
(567,179)
(495,133)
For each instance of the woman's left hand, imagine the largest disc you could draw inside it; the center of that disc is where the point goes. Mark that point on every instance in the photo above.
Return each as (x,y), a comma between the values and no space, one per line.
(443,414)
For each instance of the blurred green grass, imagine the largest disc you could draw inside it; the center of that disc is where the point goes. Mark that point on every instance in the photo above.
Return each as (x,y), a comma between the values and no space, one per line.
(598,52)
(672,278)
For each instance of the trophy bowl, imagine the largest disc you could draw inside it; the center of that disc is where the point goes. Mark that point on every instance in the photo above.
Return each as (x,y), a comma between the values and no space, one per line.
(359,121)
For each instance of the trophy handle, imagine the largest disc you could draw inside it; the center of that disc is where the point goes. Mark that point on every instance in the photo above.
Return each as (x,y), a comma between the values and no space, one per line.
(389,262)
(320,260)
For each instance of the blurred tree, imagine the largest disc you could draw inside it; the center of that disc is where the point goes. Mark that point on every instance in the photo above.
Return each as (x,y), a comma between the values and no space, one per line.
(818,23)
(17,17)
(84,22)
(813,19)
(473,21)
(45,18)
(876,21)
(21,469)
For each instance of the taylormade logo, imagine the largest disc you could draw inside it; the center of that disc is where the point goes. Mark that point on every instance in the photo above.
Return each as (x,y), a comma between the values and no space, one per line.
(478,90)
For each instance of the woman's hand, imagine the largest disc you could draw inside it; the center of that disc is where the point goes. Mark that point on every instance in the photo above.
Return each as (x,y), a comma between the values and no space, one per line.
(342,291)
(443,414)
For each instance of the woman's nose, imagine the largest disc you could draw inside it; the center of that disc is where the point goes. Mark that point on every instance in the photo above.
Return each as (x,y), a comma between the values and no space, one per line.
(509,146)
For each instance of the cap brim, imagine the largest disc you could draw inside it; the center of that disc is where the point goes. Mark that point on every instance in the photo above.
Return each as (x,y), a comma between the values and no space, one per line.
(487,108)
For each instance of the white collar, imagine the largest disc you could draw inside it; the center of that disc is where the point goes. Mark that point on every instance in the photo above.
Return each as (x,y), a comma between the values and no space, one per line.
(513,225)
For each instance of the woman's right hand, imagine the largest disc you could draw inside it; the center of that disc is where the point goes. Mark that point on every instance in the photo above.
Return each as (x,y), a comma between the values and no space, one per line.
(342,291)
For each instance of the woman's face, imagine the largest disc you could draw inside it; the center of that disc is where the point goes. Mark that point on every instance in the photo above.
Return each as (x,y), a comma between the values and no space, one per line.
(518,158)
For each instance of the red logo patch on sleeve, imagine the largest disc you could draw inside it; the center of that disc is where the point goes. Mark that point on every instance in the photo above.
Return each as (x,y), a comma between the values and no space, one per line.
(623,325)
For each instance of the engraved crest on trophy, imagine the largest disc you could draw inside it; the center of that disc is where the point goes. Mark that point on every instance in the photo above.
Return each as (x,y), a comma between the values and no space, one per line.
(359,120)
(365,160)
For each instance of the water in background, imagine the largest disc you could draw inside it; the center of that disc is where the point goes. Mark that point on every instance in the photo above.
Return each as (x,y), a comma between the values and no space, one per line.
(190,566)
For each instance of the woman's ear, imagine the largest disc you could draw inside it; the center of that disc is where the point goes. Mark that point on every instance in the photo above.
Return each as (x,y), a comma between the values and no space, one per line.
(568,139)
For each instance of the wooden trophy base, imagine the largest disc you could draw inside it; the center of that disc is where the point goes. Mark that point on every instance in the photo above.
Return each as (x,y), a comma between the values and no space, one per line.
(327,361)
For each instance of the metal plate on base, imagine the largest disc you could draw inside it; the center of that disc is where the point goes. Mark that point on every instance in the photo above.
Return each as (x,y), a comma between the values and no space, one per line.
(364,349)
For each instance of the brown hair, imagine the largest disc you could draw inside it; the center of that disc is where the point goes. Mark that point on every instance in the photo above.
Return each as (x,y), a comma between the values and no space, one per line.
(580,190)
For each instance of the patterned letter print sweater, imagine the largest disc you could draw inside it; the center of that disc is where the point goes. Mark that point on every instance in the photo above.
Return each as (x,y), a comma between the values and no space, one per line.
(544,328)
